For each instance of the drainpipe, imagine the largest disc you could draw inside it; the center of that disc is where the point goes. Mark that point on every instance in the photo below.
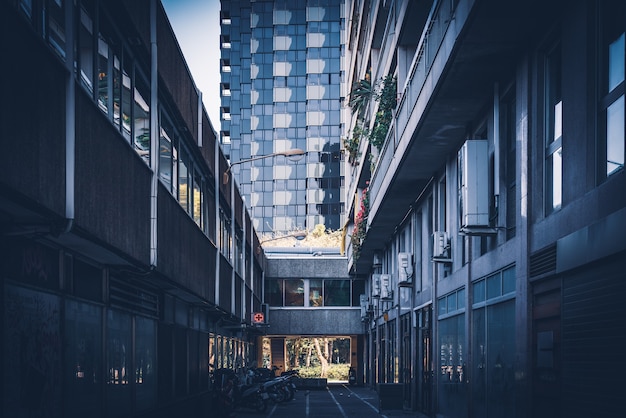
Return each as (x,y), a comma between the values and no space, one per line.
(496,150)
(233,246)
(218,232)
(243,260)
(154,135)
(199,118)
(70,120)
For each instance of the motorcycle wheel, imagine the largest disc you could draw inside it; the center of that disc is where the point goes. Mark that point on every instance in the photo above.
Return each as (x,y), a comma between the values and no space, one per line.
(289,392)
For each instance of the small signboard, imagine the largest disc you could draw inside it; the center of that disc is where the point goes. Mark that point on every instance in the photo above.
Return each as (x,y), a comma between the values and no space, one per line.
(258,318)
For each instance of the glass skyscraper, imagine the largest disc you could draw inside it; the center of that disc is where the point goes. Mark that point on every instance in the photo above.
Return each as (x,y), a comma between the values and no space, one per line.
(281,89)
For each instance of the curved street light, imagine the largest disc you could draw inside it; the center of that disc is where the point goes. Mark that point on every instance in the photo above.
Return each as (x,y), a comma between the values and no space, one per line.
(296,152)
(299,235)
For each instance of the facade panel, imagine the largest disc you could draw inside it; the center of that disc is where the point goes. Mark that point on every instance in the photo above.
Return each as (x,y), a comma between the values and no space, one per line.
(288,44)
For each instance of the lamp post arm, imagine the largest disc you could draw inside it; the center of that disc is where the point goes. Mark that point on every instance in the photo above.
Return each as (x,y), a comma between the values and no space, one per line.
(288,153)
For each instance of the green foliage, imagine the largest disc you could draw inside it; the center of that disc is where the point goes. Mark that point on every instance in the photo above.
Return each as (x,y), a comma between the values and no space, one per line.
(335,371)
(362,92)
(352,144)
(387,103)
(385,93)
(360,225)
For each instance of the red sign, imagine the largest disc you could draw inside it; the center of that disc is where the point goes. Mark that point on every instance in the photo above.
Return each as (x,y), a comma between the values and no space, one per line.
(258,317)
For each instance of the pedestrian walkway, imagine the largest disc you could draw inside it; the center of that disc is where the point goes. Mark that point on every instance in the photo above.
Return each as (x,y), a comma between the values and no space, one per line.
(334,401)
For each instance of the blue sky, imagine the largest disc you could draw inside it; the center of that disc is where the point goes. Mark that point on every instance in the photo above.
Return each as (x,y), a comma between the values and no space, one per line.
(196,24)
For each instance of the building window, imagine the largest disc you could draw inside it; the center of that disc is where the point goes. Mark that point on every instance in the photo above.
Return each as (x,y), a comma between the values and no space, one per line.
(493,344)
(612,88)
(553,118)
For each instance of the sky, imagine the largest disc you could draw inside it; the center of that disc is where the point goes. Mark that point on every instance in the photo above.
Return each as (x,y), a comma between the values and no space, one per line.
(196,24)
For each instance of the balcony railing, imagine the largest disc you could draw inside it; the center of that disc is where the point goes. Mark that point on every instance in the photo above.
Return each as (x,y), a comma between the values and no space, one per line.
(439,20)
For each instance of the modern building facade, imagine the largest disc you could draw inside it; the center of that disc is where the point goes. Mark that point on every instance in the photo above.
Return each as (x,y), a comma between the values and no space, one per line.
(128,269)
(281,81)
(489,216)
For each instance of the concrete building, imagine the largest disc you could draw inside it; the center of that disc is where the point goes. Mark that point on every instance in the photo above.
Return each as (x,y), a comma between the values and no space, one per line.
(127,267)
(281,80)
(490,214)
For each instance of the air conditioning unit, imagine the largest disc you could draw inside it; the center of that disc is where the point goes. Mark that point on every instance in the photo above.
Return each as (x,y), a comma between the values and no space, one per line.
(375,285)
(473,160)
(363,304)
(405,268)
(265,308)
(441,246)
(385,287)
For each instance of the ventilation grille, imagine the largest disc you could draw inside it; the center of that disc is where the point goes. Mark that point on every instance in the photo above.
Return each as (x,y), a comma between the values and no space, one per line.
(128,295)
(543,261)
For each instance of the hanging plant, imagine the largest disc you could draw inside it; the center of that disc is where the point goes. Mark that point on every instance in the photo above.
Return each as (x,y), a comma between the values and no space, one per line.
(360,96)
(351,145)
(387,103)
(360,225)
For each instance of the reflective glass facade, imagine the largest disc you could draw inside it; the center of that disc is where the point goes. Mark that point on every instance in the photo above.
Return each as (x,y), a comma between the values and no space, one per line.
(281,79)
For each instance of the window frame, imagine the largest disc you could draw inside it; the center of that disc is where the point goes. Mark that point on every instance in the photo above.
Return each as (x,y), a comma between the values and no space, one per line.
(610,30)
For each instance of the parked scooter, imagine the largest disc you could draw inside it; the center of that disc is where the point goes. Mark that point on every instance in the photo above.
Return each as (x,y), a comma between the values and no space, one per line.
(230,393)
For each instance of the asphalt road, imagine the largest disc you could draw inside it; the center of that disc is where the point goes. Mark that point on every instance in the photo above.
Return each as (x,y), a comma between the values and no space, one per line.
(335,401)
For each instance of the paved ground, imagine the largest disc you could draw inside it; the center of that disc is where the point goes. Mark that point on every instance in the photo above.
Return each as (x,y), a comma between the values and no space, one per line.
(336,401)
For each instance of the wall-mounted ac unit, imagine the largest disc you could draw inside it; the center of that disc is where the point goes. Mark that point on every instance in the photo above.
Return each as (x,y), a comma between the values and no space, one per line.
(377,260)
(473,159)
(385,286)
(364,305)
(441,246)
(375,285)
(405,268)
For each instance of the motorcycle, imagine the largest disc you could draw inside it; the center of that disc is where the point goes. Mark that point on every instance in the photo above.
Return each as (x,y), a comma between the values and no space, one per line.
(230,394)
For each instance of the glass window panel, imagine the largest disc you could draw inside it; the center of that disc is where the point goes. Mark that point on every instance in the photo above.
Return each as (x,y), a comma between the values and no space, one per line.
(460,299)
(83,356)
(479,343)
(197,199)
(557,174)
(615,136)
(141,121)
(451,300)
(165,154)
(274,292)
(616,62)
(508,280)
(85,42)
(443,305)
(32,355)
(336,292)
(358,289)
(118,361)
(103,74)
(494,286)
(56,24)
(452,399)
(500,359)
(479,291)
(294,292)
(117,90)
(315,293)
(126,99)
(183,181)
(145,363)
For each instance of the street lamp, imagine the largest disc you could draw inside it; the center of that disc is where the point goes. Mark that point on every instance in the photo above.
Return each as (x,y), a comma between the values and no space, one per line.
(299,235)
(296,152)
